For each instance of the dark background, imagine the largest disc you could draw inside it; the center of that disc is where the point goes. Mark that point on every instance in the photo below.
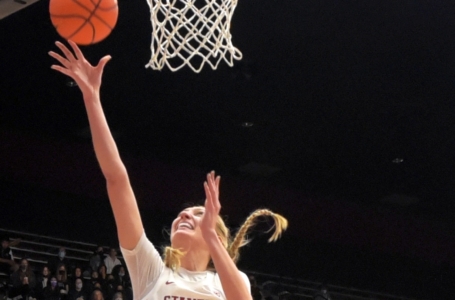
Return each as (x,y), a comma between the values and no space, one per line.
(352,137)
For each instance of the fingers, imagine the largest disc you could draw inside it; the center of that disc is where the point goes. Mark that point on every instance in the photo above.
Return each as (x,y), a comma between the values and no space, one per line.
(63,61)
(214,182)
(103,62)
(208,199)
(62,70)
(211,182)
(217,183)
(76,50)
(65,51)
(212,185)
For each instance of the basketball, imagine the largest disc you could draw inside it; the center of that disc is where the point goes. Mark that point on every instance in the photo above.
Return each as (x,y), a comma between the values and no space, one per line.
(85,22)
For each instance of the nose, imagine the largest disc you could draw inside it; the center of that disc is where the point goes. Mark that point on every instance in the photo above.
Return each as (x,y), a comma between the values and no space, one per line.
(185,215)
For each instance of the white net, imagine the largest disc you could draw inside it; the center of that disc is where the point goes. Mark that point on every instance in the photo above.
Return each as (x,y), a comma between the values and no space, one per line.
(192,33)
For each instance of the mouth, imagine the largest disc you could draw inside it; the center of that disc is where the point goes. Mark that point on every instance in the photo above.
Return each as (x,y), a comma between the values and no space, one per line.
(185,225)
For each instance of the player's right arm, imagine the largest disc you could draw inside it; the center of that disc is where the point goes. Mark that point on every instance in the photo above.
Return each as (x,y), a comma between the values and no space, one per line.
(121,196)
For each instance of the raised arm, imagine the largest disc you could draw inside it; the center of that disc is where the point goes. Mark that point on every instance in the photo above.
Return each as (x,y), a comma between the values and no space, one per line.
(234,286)
(121,196)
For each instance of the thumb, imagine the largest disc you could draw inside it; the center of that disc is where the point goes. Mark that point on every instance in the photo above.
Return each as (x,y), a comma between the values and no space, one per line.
(103,62)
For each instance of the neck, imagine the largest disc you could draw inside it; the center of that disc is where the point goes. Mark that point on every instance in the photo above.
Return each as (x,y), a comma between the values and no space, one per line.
(195,260)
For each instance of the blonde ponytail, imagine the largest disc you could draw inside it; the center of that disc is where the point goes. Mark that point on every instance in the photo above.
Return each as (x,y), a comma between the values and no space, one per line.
(280,225)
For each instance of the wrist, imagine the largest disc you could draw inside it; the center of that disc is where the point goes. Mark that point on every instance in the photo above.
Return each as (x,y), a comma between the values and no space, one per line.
(210,235)
(91,94)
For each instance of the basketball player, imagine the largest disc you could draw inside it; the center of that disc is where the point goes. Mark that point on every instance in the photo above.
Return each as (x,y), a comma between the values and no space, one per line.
(200,263)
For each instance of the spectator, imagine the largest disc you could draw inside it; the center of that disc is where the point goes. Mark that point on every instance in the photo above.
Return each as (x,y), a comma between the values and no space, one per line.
(77,292)
(127,293)
(92,281)
(121,278)
(59,260)
(97,258)
(111,261)
(102,274)
(23,280)
(7,264)
(51,291)
(109,287)
(42,281)
(62,281)
(97,286)
(97,294)
(322,294)
(77,273)
(118,296)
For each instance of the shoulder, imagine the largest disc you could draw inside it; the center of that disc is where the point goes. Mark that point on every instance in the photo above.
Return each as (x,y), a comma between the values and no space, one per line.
(143,246)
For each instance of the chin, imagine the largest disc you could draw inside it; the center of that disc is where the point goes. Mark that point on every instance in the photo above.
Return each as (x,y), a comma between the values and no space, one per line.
(180,235)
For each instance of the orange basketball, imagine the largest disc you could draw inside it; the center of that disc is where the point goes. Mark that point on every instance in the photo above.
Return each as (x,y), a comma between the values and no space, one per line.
(84,21)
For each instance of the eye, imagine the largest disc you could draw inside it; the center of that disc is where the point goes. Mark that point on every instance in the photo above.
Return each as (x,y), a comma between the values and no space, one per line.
(199,213)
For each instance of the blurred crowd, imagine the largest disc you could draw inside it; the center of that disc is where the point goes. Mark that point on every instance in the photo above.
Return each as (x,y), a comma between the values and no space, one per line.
(102,276)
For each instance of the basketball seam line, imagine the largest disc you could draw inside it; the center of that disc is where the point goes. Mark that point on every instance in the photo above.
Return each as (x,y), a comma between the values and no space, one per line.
(87,20)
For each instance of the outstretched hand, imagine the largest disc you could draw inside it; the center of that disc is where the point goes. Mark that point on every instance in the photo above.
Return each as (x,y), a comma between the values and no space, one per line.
(87,77)
(212,203)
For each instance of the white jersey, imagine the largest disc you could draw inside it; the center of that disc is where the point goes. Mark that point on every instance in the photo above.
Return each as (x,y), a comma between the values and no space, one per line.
(152,280)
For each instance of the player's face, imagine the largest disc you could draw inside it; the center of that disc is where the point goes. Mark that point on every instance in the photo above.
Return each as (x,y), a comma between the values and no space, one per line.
(187,224)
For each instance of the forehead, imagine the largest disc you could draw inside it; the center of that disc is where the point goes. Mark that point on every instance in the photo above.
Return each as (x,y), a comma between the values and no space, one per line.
(194,209)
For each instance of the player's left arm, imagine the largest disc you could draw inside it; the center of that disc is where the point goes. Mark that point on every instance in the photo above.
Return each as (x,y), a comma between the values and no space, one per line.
(234,285)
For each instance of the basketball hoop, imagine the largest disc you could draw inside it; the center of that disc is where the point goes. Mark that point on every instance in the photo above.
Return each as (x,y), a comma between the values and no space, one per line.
(186,34)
